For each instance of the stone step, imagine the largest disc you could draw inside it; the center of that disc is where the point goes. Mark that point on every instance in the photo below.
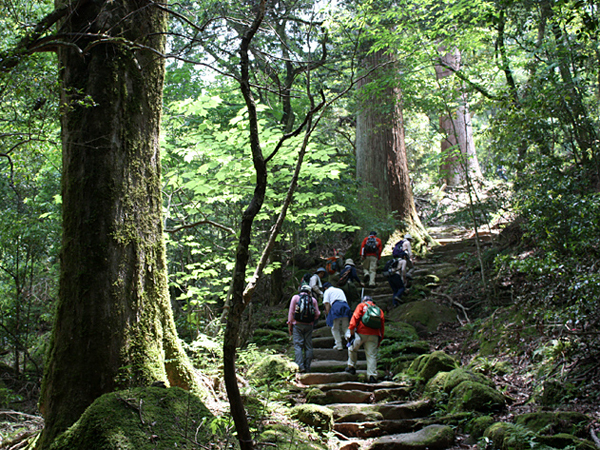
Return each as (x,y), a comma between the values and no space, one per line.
(361,412)
(378,428)
(334,355)
(350,384)
(335,366)
(433,437)
(320,378)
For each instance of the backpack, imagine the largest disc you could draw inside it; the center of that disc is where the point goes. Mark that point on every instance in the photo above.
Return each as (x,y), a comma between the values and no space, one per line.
(372,317)
(371,245)
(389,266)
(332,265)
(305,309)
(398,251)
(344,276)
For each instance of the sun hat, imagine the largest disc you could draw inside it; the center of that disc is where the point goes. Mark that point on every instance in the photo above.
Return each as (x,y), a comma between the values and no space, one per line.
(349,262)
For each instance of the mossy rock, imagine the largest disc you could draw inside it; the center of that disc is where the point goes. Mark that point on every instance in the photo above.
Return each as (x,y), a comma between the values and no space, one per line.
(434,389)
(549,423)
(474,396)
(457,376)
(136,419)
(273,369)
(314,395)
(508,436)
(425,314)
(426,366)
(400,332)
(286,436)
(564,440)
(318,417)
(432,437)
(478,425)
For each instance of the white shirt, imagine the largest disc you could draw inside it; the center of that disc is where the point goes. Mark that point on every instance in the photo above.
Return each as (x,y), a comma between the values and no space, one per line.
(333,294)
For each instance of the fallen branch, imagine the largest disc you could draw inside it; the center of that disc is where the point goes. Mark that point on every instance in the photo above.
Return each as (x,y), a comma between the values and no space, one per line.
(454,303)
(594,437)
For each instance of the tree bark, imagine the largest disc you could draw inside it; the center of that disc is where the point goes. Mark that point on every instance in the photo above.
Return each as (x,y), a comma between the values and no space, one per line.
(114,326)
(381,159)
(455,124)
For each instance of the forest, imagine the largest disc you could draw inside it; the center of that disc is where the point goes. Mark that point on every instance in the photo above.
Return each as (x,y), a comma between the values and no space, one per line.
(169,171)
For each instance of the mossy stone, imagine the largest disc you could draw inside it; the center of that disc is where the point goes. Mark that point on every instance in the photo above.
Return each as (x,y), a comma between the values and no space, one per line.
(434,388)
(426,366)
(425,314)
(287,436)
(473,396)
(564,440)
(457,376)
(318,417)
(546,423)
(138,419)
(272,369)
(269,337)
(508,436)
(478,425)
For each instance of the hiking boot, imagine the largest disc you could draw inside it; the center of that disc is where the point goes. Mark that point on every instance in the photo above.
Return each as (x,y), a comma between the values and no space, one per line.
(338,347)
(372,379)
(350,370)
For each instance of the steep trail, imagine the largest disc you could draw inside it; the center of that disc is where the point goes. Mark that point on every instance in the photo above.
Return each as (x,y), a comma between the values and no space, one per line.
(382,415)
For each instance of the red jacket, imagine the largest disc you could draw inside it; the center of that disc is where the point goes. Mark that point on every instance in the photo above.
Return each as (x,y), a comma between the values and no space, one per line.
(357,325)
(377,253)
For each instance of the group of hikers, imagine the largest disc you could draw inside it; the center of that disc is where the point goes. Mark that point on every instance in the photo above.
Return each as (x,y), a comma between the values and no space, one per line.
(366,325)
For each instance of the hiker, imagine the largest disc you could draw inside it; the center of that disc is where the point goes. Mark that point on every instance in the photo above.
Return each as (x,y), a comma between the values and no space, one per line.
(393,271)
(366,328)
(315,282)
(338,312)
(348,277)
(403,251)
(302,315)
(370,252)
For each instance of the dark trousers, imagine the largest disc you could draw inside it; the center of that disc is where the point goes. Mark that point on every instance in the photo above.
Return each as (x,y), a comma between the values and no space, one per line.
(397,286)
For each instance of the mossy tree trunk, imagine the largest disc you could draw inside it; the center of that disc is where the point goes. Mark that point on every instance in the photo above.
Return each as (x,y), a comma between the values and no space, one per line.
(380,148)
(114,326)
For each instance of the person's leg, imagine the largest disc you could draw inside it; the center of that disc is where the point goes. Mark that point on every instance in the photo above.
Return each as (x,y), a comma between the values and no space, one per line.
(365,265)
(308,347)
(353,350)
(336,331)
(298,340)
(370,343)
(372,269)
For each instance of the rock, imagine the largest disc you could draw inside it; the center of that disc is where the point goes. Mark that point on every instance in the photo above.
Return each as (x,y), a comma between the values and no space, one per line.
(284,436)
(433,437)
(425,314)
(548,423)
(319,397)
(359,412)
(272,369)
(374,429)
(474,396)
(138,419)
(426,367)
(508,436)
(323,378)
(478,425)
(457,376)
(318,417)
(564,440)
(434,389)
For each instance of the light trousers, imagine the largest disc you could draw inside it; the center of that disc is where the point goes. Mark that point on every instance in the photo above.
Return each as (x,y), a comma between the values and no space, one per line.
(340,325)
(370,342)
(370,268)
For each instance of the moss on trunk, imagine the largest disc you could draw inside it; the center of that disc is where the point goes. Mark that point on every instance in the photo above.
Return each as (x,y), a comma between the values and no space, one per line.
(114,326)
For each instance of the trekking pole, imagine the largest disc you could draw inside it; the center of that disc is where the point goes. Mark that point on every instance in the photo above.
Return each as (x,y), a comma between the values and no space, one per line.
(362,294)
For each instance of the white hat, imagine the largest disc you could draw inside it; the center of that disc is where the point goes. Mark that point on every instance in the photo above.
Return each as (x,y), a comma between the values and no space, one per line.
(349,262)
(408,236)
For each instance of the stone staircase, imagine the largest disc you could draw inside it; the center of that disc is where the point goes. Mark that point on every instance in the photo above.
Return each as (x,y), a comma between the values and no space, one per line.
(368,416)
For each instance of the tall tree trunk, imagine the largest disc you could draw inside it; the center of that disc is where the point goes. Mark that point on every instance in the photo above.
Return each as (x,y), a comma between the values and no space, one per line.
(114,326)
(455,124)
(380,149)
